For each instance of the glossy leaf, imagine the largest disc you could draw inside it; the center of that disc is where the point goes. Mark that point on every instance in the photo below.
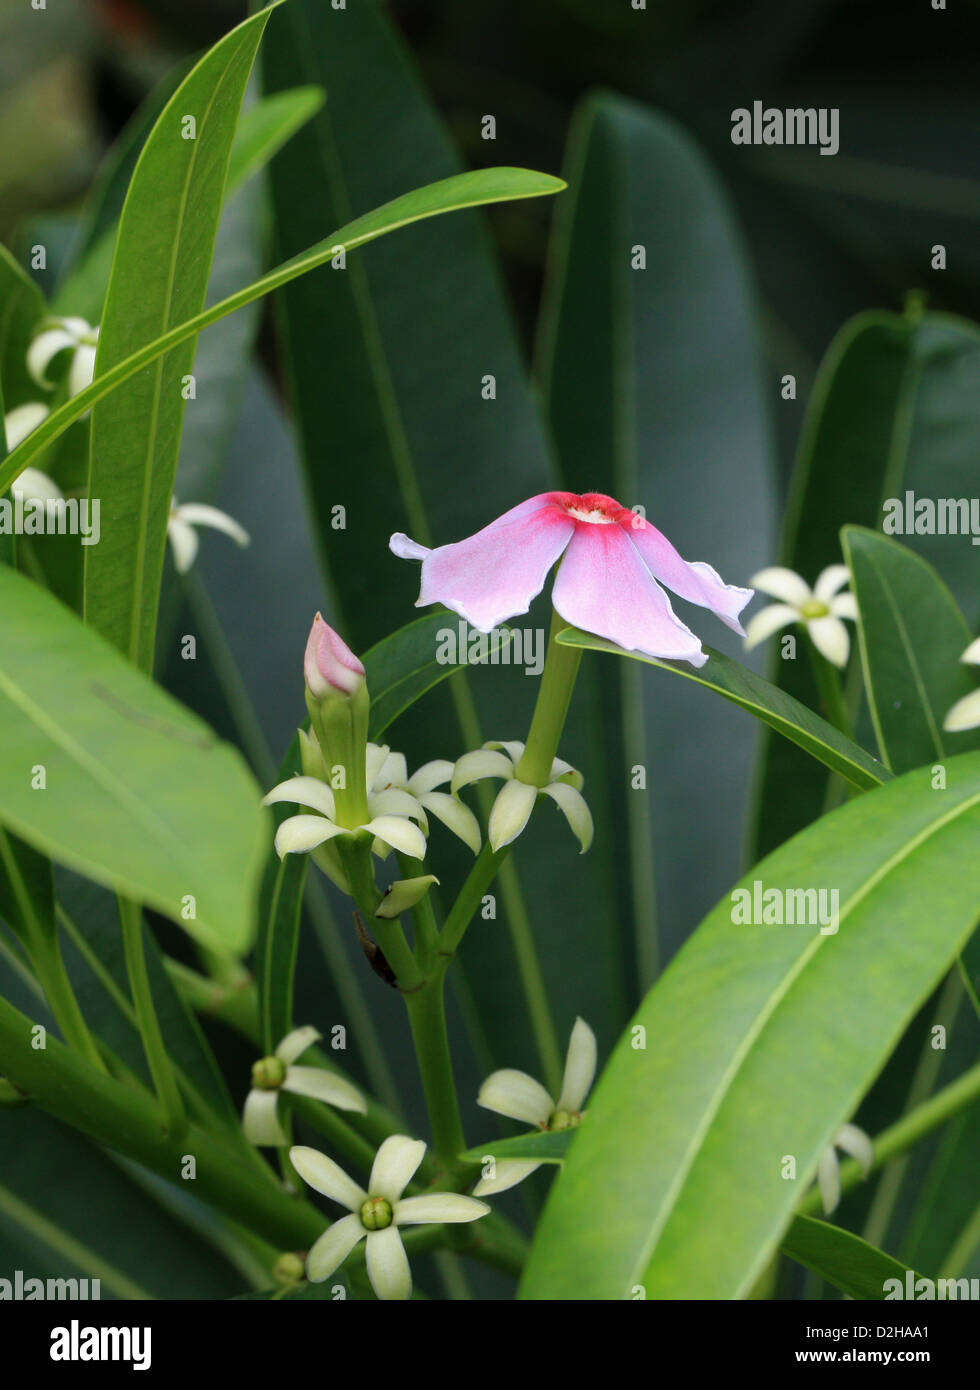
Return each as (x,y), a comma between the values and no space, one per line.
(21,309)
(542,1146)
(760,1040)
(842,1258)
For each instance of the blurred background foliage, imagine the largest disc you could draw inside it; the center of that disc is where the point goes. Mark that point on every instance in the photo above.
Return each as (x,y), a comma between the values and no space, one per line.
(667,394)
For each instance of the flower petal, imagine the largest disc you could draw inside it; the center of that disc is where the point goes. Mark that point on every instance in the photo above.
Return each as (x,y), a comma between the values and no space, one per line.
(509,1172)
(457,816)
(260,1120)
(516,1095)
(511,812)
(511,746)
(429,776)
(829,636)
(387,1265)
(327,1177)
(395,802)
(326,1086)
(831,579)
(694,580)
(81,373)
(580,1067)
(22,421)
(844,606)
(44,349)
(375,759)
(972,654)
(784,584)
(437,1207)
(574,809)
(767,621)
(604,587)
(406,549)
(32,483)
(395,1165)
(828,1178)
(484,762)
(198,514)
(300,834)
(183,540)
(329,1252)
(494,574)
(304,791)
(393,772)
(399,833)
(855,1142)
(294,1044)
(964,715)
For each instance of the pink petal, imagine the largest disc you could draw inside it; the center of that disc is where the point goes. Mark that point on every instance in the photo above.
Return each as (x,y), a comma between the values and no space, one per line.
(604,587)
(695,581)
(493,575)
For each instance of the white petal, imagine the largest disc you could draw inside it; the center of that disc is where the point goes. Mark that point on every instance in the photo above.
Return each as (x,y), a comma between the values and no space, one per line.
(516,1095)
(325,1176)
(579,1067)
(971,656)
(767,621)
(22,421)
(333,1247)
(569,774)
(294,1044)
(304,791)
(81,373)
(828,1178)
(405,548)
(260,1121)
(844,606)
(964,715)
(32,483)
(829,581)
(457,816)
(511,746)
(183,539)
(430,775)
(395,1165)
(574,809)
(437,1207)
(395,802)
(44,349)
(784,584)
(300,834)
(485,762)
(198,514)
(387,1265)
(511,812)
(326,1086)
(509,1171)
(376,757)
(855,1142)
(392,773)
(829,636)
(399,833)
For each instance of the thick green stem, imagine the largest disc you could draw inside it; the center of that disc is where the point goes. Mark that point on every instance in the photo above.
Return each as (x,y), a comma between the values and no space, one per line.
(355,855)
(427,1017)
(164,1079)
(834,708)
(554,696)
(470,897)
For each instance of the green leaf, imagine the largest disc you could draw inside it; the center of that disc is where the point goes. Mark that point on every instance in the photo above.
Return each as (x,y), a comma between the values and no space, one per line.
(280,912)
(767,702)
(265,127)
(542,1146)
(21,309)
(843,1259)
(912,636)
(139,794)
(159,278)
(759,1042)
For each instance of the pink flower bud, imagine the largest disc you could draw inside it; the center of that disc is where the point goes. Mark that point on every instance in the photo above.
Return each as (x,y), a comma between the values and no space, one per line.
(329,664)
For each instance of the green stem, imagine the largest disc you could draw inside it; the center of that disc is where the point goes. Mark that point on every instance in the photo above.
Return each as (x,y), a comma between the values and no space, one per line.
(831,694)
(471,895)
(906,1132)
(164,1080)
(427,1017)
(551,708)
(425,927)
(355,855)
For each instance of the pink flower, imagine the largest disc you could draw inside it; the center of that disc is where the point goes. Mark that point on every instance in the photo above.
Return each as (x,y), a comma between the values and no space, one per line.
(329,664)
(606,584)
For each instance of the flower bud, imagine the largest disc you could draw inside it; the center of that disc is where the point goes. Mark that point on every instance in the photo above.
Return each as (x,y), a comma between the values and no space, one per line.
(289,1269)
(403,895)
(339,705)
(329,664)
(268,1074)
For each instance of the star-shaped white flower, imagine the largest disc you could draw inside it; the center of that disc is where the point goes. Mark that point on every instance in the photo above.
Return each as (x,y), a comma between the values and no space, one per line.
(183,537)
(22,421)
(965,714)
(515,800)
(852,1141)
(58,335)
(391,773)
(377,1213)
(819,609)
(520,1097)
(279,1073)
(392,815)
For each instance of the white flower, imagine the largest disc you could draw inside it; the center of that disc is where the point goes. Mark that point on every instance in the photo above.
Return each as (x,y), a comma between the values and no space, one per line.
(377,1213)
(393,774)
(22,421)
(520,1097)
(183,538)
(853,1141)
(819,609)
(59,335)
(515,800)
(965,714)
(278,1073)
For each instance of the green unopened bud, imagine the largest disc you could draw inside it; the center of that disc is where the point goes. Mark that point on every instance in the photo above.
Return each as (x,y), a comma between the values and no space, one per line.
(565,1119)
(269,1073)
(376,1214)
(289,1269)
(403,895)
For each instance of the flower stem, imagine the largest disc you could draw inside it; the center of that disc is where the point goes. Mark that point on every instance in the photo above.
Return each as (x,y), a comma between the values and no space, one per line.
(831,694)
(164,1080)
(427,1017)
(554,695)
(470,896)
(356,857)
